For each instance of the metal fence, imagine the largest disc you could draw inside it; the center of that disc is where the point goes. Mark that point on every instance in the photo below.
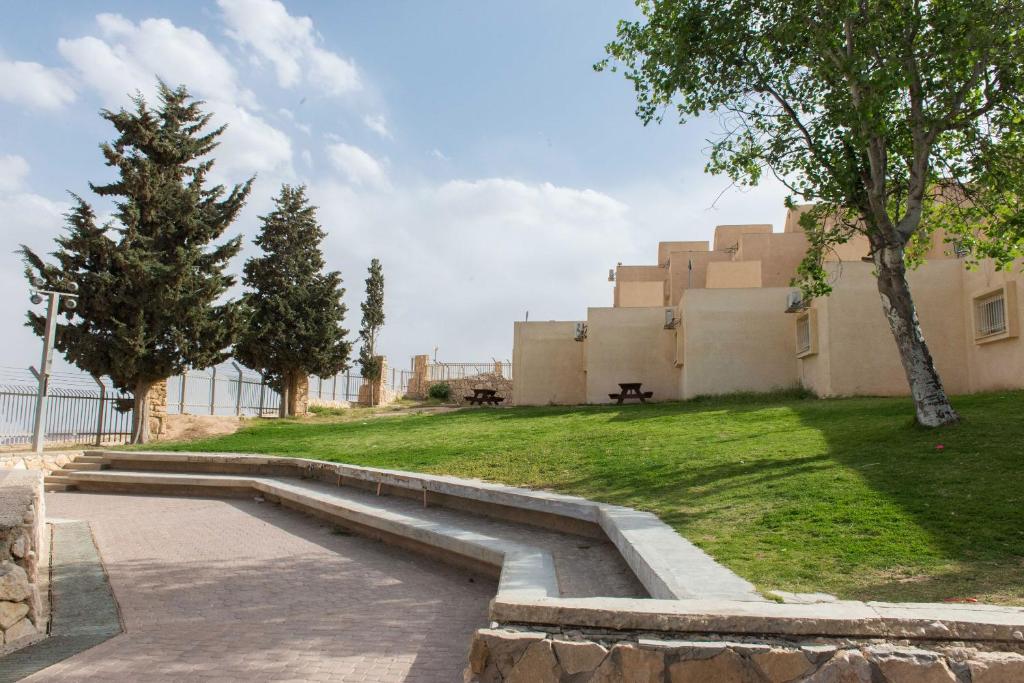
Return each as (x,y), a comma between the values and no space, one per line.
(345,385)
(75,413)
(439,372)
(227,389)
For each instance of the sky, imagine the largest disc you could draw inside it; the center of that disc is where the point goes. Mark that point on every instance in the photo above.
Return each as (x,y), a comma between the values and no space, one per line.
(469,146)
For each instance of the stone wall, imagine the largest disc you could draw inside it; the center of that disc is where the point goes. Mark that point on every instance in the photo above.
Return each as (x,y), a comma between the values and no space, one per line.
(549,657)
(157,408)
(22,521)
(47,461)
(377,392)
(461,388)
(418,383)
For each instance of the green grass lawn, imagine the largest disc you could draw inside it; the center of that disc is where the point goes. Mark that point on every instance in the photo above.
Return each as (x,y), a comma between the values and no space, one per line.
(845,496)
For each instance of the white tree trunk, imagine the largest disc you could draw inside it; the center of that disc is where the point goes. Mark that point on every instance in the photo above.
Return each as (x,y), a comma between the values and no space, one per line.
(930,400)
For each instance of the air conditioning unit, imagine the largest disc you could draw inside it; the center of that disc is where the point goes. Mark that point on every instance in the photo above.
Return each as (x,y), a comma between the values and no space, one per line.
(611,275)
(581,331)
(670,319)
(794,302)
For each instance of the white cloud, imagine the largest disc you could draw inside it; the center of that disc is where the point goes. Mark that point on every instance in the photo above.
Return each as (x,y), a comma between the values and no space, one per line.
(438,154)
(378,124)
(28,219)
(290,43)
(13,171)
(463,259)
(128,57)
(357,165)
(34,85)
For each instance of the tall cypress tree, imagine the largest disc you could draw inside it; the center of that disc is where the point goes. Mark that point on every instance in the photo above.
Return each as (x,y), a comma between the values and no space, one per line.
(294,308)
(151,282)
(373,320)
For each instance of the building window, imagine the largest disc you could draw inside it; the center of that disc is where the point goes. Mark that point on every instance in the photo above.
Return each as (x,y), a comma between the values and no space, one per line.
(995,314)
(990,315)
(805,341)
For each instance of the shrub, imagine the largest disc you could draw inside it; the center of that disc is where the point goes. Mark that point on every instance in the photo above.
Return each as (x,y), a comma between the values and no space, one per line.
(441,391)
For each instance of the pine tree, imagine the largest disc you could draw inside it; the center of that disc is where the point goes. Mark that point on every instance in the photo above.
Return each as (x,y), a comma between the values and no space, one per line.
(151,282)
(294,309)
(373,320)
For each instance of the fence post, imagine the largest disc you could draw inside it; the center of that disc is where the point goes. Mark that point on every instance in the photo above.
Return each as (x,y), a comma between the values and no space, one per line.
(263,391)
(238,398)
(334,388)
(348,381)
(213,390)
(103,405)
(319,387)
(181,397)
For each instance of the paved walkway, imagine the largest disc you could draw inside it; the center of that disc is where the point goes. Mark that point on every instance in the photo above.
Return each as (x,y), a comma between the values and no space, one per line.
(235,590)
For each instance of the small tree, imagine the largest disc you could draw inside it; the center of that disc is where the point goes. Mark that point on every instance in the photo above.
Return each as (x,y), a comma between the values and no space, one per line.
(149,282)
(373,319)
(881,111)
(295,309)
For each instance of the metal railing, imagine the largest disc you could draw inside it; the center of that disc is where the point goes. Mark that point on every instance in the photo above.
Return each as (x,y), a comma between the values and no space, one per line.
(341,387)
(345,385)
(439,372)
(75,414)
(227,389)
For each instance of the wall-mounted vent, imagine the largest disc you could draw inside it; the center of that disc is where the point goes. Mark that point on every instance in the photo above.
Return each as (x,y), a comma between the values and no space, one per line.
(611,275)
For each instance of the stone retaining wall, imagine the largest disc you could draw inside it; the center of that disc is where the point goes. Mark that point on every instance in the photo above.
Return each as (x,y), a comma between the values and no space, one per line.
(47,461)
(460,388)
(507,655)
(22,521)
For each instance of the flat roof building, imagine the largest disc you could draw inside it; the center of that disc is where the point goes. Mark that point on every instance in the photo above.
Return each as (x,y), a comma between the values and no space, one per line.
(714,317)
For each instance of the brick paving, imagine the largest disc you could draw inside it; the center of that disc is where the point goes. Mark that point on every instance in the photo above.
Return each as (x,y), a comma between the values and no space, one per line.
(235,590)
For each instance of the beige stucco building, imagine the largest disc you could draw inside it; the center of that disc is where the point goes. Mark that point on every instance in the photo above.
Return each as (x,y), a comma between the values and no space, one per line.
(715,318)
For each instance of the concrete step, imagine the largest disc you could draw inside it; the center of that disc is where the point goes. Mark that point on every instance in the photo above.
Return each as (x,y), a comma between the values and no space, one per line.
(90,458)
(79,466)
(526,571)
(49,486)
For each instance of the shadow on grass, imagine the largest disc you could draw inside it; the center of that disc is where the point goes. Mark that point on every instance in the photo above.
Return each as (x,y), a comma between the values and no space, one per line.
(805,494)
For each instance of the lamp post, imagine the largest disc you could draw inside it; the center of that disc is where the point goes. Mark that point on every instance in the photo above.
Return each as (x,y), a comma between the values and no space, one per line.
(43,374)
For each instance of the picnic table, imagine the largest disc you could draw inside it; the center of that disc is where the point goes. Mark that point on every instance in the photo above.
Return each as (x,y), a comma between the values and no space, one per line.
(631,390)
(482,396)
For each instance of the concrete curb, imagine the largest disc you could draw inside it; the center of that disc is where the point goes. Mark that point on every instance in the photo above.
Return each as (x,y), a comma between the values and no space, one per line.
(667,565)
(526,572)
(85,612)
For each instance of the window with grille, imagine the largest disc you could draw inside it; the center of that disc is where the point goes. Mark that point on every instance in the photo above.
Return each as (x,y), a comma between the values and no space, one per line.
(990,315)
(803,334)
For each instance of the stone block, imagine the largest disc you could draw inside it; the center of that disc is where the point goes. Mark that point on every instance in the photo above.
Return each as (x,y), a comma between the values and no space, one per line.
(537,665)
(20,546)
(23,628)
(578,657)
(628,663)
(14,584)
(996,667)
(912,665)
(846,666)
(725,667)
(504,648)
(11,613)
(780,665)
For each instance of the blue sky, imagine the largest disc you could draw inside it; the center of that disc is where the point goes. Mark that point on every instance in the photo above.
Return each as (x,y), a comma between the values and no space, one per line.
(470,146)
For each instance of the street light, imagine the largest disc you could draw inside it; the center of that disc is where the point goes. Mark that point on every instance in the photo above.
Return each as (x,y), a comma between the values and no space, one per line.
(43,374)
